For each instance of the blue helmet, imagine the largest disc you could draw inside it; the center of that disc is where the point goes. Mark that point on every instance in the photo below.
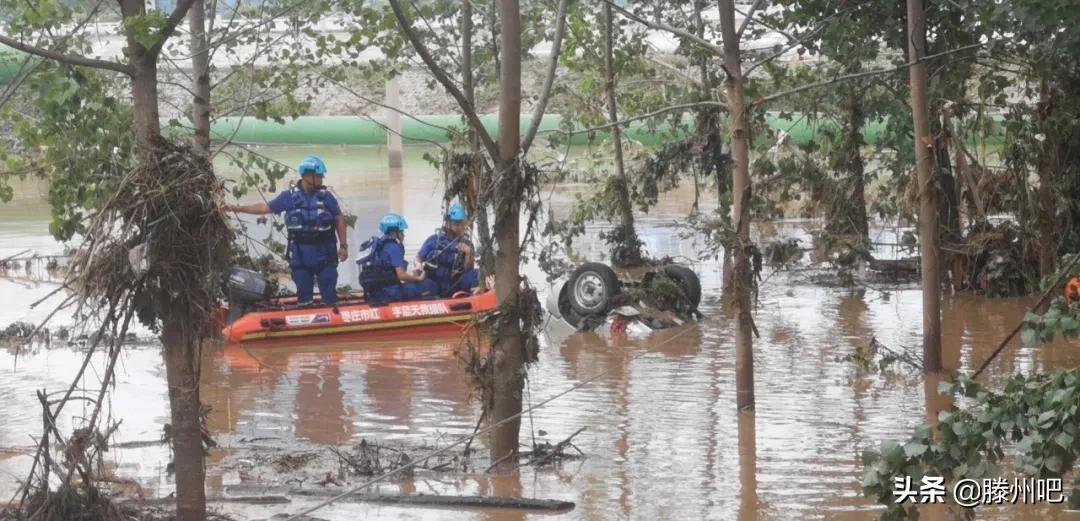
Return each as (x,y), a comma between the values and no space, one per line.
(312,165)
(456,213)
(392,221)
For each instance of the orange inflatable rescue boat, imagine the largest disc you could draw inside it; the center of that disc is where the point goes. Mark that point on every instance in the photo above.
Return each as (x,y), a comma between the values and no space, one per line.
(250,315)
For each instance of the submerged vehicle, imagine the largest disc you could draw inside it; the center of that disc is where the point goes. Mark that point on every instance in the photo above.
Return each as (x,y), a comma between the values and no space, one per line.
(252,314)
(594,295)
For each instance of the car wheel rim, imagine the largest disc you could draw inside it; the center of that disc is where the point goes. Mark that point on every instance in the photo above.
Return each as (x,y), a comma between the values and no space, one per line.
(589,291)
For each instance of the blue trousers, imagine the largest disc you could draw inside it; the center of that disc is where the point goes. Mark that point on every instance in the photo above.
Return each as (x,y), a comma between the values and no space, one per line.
(311,263)
(464,282)
(408,291)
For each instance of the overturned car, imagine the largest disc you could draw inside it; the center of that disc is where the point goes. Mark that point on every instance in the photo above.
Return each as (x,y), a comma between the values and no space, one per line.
(594,295)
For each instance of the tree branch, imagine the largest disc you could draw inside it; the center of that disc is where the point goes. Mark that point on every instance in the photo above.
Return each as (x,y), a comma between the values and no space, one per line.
(801,41)
(674,69)
(661,112)
(178,14)
(70,59)
(447,83)
(857,75)
(794,41)
(713,48)
(749,16)
(370,101)
(766,25)
(549,80)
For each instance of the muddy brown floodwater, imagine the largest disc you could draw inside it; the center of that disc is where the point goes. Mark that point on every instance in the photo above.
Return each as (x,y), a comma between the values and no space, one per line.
(663,438)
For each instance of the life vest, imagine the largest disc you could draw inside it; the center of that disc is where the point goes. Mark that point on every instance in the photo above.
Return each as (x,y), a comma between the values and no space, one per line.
(444,261)
(307,223)
(374,274)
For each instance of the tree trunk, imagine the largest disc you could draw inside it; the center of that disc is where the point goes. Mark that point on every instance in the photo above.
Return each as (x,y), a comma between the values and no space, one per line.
(707,118)
(626,208)
(699,31)
(1047,160)
(179,352)
(508,351)
(856,169)
(144,94)
(181,363)
(975,207)
(466,59)
(949,196)
(740,151)
(494,28)
(952,236)
(928,206)
(476,189)
(181,370)
(748,495)
(200,72)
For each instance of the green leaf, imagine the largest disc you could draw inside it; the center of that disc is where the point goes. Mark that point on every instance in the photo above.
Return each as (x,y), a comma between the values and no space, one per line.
(1045,419)
(146,29)
(1052,314)
(1029,337)
(892,454)
(914,449)
(1064,440)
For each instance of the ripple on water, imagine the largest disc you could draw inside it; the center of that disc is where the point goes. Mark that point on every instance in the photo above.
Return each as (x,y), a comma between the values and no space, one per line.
(663,438)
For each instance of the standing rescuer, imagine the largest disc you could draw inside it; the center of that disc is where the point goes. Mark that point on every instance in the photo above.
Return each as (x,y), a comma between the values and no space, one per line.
(384,273)
(448,256)
(315,224)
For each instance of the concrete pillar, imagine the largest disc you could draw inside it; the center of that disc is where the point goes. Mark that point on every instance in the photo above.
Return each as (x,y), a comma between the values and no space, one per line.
(393,123)
(397,189)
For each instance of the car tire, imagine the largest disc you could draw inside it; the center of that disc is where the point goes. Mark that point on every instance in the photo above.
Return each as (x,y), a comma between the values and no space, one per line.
(591,288)
(687,280)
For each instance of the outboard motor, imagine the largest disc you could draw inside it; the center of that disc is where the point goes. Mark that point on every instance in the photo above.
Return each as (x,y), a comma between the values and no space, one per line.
(243,290)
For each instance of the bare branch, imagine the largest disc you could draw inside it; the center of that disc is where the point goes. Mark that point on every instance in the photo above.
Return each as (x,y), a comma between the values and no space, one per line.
(766,25)
(214,46)
(711,47)
(801,41)
(661,112)
(370,101)
(360,114)
(240,32)
(549,80)
(865,74)
(447,83)
(673,69)
(70,59)
(178,14)
(419,12)
(25,69)
(749,16)
(795,41)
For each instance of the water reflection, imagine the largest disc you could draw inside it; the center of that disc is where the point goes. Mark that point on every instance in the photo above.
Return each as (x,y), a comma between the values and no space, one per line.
(320,402)
(663,439)
(339,391)
(748,496)
(506,484)
(397,190)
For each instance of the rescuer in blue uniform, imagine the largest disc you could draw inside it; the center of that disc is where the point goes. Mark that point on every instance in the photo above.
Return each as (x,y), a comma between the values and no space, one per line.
(315,224)
(384,272)
(447,256)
